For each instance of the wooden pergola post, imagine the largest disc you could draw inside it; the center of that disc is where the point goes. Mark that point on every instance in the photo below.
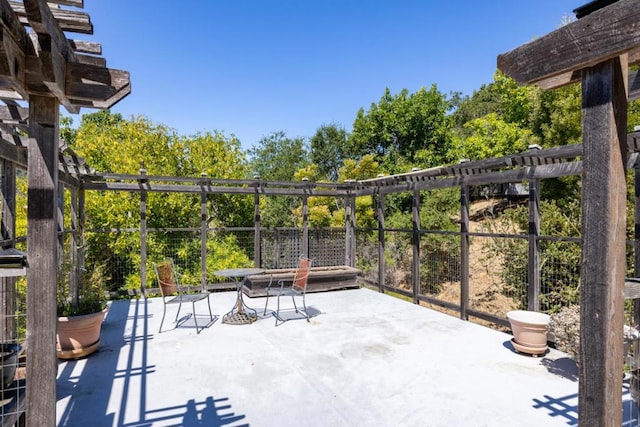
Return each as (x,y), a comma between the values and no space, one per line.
(602,270)
(464,251)
(257,249)
(143,232)
(75,273)
(350,225)
(635,380)
(381,243)
(415,245)
(305,219)
(42,242)
(533,293)
(8,225)
(203,232)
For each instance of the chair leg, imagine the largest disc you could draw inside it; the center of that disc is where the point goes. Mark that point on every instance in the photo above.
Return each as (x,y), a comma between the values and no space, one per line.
(304,305)
(276,314)
(195,317)
(209,305)
(164,312)
(265,304)
(178,313)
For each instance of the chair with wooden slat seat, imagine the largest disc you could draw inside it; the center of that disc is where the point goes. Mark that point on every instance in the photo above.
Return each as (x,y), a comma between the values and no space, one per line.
(173,293)
(297,289)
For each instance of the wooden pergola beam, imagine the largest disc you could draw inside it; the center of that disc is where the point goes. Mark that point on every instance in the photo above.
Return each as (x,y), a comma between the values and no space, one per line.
(556,59)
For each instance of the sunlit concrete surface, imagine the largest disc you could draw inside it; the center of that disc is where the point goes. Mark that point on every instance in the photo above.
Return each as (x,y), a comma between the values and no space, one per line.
(365,359)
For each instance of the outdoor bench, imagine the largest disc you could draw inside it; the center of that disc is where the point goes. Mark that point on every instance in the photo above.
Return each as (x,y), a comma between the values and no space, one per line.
(320,279)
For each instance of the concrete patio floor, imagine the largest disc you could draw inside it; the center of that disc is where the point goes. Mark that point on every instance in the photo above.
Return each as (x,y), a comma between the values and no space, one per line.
(365,359)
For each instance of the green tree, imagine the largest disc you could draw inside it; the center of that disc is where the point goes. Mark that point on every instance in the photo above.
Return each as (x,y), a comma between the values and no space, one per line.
(490,136)
(403,129)
(327,150)
(112,144)
(278,158)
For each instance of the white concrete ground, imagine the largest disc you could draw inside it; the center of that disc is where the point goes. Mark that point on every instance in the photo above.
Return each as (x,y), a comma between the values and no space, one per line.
(365,359)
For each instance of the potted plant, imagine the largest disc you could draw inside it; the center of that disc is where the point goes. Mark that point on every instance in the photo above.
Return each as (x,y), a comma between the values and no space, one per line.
(80,314)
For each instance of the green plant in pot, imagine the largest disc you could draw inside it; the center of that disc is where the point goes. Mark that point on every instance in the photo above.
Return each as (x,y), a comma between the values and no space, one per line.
(80,312)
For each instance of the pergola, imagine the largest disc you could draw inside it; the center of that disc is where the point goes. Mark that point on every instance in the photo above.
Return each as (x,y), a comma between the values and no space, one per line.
(43,68)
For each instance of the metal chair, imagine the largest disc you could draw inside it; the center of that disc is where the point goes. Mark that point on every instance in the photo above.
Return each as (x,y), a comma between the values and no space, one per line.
(173,293)
(297,289)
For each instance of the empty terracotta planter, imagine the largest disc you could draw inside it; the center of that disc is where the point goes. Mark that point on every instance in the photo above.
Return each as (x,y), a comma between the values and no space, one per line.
(529,331)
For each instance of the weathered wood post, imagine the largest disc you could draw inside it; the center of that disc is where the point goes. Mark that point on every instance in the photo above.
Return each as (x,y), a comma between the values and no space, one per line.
(635,380)
(415,245)
(75,273)
(533,290)
(203,231)
(350,224)
(142,183)
(60,222)
(80,259)
(8,225)
(464,252)
(42,243)
(305,217)
(8,220)
(602,270)
(257,246)
(381,242)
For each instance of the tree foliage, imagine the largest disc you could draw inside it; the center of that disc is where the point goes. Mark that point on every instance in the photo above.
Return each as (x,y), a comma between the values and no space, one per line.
(277,157)
(112,144)
(327,150)
(406,128)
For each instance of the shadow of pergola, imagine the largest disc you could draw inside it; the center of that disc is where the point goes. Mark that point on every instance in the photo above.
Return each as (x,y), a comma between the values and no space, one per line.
(82,381)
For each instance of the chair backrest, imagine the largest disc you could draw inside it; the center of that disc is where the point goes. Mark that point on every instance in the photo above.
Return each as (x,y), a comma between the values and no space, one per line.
(302,274)
(167,280)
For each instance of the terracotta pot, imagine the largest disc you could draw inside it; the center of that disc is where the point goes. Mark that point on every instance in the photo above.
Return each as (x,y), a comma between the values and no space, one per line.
(529,330)
(79,336)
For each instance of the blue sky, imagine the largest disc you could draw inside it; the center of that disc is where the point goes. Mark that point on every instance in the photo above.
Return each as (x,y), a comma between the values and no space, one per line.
(252,67)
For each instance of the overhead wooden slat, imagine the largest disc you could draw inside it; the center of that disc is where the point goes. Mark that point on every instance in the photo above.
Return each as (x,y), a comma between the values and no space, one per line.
(87,82)
(91,60)
(75,3)
(604,34)
(84,46)
(13,114)
(68,20)
(14,149)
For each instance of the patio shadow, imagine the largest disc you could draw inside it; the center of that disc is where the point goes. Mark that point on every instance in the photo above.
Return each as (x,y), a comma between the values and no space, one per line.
(565,367)
(88,385)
